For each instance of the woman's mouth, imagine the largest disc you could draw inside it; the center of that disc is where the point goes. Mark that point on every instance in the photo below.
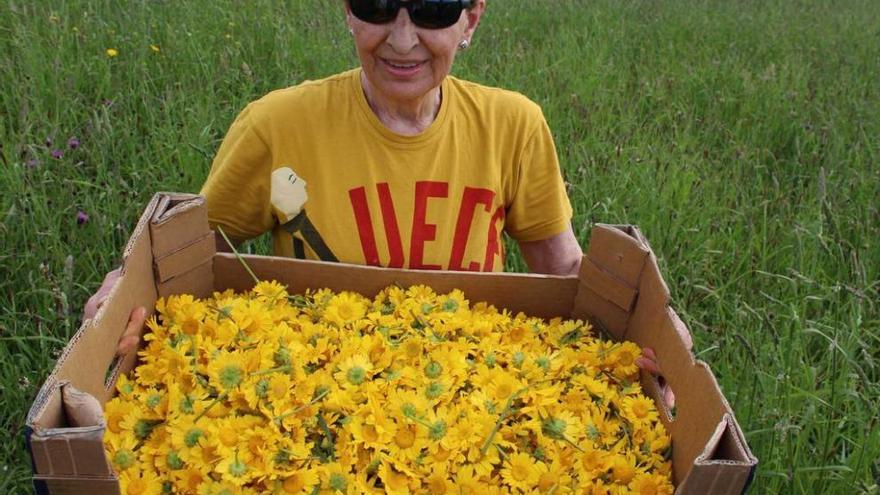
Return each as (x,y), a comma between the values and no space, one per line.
(402,68)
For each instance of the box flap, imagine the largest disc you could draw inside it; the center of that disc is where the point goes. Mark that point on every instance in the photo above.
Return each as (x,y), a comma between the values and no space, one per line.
(183,245)
(609,278)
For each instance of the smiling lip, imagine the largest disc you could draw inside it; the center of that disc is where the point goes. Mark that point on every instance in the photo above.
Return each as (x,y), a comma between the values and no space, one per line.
(403,69)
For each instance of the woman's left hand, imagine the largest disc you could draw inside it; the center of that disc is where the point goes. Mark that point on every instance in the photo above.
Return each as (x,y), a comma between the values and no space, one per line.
(648,362)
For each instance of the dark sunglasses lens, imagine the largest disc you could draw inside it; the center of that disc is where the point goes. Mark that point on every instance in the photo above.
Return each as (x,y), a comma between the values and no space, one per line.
(374,11)
(435,14)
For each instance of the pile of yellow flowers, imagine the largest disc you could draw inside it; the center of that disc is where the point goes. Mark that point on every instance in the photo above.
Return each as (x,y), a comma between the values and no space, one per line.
(411,392)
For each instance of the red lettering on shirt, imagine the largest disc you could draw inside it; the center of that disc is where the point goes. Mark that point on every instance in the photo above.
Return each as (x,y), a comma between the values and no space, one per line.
(392,231)
(421,231)
(493,247)
(470,199)
(361,209)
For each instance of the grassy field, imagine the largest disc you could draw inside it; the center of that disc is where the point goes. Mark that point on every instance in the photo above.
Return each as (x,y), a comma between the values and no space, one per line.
(742,137)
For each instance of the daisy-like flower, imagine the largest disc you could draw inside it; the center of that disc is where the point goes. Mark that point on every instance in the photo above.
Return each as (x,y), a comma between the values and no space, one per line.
(639,410)
(520,472)
(140,482)
(228,370)
(650,484)
(345,308)
(354,371)
(624,357)
(299,482)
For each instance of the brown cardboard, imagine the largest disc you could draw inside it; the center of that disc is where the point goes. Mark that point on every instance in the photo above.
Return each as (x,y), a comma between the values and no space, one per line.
(620,289)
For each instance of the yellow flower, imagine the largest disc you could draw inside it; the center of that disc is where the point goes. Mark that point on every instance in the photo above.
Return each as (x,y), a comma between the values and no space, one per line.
(227,370)
(140,482)
(552,477)
(623,468)
(624,358)
(112,52)
(189,479)
(502,387)
(395,482)
(354,371)
(437,483)
(592,462)
(650,484)
(299,482)
(467,482)
(520,472)
(269,291)
(639,410)
(407,442)
(122,451)
(345,308)
(336,478)
(235,468)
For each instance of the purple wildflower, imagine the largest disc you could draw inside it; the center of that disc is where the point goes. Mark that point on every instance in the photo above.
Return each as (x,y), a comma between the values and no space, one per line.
(81,217)
(57,154)
(73,143)
(32,163)
(106,102)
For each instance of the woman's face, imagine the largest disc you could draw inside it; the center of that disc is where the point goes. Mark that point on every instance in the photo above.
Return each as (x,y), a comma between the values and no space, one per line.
(404,62)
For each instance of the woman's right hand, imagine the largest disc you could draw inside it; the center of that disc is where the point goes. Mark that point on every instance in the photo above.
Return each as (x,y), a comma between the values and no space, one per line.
(132,336)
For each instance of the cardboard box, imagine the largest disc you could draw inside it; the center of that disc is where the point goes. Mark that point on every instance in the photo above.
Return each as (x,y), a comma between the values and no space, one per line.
(619,289)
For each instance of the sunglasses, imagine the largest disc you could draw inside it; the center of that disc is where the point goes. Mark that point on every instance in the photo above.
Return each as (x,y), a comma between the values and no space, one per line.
(429,14)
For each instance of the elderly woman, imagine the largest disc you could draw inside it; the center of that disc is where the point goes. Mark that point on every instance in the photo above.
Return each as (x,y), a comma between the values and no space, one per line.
(397,163)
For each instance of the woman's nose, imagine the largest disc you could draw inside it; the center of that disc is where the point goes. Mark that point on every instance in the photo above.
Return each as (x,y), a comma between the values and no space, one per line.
(403,36)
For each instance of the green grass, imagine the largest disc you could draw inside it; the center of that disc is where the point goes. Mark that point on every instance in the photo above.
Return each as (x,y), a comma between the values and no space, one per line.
(742,137)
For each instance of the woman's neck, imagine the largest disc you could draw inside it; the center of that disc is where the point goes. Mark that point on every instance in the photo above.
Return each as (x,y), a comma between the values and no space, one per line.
(404,117)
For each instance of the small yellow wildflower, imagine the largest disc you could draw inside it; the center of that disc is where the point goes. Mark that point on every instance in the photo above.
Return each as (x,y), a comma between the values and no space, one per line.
(112,52)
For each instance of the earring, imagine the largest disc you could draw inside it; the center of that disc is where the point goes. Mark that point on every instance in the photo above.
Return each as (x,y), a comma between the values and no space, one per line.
(464,44)
(351,31)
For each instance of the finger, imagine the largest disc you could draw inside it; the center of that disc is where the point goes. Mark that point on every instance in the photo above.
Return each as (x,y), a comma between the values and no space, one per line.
(111,276)
(127,344)
(94,303)
(649,353)
(132,335)
(648,365)
(668,397)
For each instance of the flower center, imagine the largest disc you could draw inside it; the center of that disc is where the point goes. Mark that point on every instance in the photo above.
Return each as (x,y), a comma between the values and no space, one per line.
(405,437)
(338,482)
(356,375)
(230,376)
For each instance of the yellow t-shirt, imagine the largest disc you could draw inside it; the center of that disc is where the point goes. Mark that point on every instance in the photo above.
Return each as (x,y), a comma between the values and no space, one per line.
(314,164)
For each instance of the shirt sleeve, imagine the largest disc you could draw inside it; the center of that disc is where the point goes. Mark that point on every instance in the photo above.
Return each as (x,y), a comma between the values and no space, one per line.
(237,190)
(540,207)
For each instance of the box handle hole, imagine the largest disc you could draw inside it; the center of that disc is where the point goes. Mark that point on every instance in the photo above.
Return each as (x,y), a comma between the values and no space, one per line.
(112,373)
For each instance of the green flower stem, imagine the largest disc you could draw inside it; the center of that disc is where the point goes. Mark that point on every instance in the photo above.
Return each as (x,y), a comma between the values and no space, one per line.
(237,255)
(571,442)
(504,415)
(285,368)
(213,403)
(297,409)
